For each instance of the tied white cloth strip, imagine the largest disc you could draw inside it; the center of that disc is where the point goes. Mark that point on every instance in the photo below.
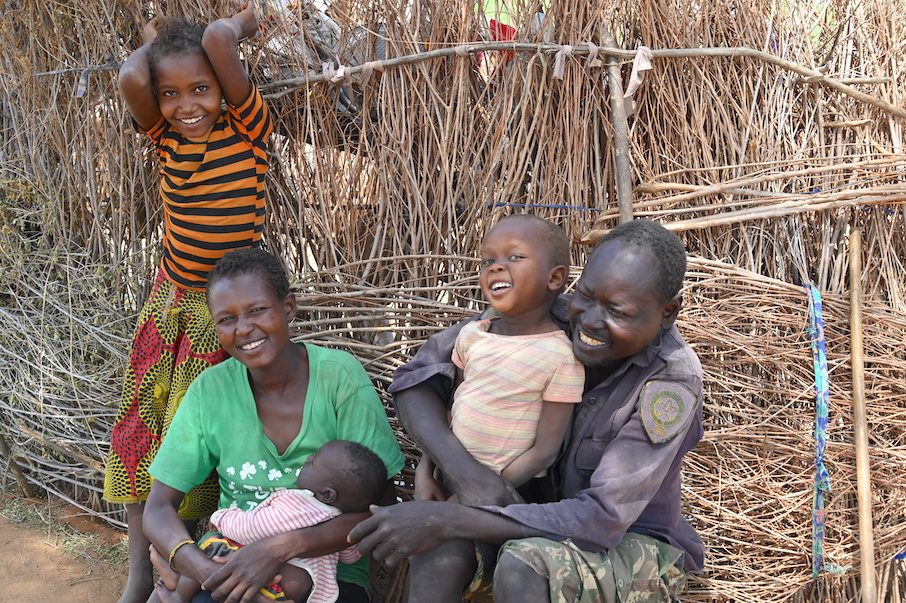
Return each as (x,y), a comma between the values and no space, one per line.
(368,70)
(463,50)
(560,61)
(592,60)
(642,62)
(334,75)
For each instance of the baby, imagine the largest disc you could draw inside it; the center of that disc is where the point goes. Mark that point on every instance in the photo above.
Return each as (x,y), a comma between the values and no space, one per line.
(341,477)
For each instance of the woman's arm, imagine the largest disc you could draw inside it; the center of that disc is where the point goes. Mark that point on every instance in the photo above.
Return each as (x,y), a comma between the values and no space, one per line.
(255,564)
(165,530)
(552,424)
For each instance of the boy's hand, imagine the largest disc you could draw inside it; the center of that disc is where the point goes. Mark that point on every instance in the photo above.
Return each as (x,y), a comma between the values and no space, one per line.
(149,32)
(426,487)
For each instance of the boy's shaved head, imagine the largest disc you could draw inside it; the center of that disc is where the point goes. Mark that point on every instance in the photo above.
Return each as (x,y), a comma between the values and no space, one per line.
(553,238)
(665,247)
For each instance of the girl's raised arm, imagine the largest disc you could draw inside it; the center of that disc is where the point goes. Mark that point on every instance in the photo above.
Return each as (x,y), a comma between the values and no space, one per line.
(220,44)
(135,82)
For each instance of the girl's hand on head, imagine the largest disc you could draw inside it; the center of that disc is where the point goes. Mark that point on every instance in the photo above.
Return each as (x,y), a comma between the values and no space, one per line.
(149,32)
(248,19)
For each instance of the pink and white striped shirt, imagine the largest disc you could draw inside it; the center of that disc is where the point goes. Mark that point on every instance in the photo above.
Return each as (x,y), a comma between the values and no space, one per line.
(283,511)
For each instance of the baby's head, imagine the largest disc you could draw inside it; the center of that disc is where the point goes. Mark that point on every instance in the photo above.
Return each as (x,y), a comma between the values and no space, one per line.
(524,264)
(344,474)
(187,89)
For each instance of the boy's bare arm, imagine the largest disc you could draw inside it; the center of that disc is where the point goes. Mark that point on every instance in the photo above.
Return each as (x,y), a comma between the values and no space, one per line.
(135,82)
(552,425)
(220,42)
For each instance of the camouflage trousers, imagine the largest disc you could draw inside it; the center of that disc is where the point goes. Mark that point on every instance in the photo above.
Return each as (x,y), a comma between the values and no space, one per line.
(640,569)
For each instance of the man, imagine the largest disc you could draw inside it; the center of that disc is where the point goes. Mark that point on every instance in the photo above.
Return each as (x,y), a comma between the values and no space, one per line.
(609,527)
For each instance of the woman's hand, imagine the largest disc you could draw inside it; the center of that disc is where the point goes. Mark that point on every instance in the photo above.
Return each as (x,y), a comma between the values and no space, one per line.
(246,571)
(247,17)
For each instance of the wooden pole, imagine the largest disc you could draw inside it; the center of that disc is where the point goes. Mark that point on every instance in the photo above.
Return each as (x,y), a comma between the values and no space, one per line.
(623,169)
(6,453)
(860,423)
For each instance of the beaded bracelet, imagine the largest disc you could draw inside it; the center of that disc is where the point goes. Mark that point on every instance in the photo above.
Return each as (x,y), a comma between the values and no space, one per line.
(176,548)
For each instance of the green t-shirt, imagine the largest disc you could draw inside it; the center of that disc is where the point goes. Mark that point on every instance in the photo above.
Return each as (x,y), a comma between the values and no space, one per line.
(217,428)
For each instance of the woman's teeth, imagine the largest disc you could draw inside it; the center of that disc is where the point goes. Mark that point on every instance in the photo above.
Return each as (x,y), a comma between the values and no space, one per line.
(251,346)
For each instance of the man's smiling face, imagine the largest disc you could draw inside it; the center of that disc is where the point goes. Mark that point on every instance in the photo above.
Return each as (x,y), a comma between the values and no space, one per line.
(617,309)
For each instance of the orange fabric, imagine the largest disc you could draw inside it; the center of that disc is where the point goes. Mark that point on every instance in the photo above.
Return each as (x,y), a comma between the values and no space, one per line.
(212,190)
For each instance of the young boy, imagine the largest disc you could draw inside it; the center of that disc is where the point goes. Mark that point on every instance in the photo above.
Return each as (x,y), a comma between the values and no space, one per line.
(213,163)
(519,378)
(341,477)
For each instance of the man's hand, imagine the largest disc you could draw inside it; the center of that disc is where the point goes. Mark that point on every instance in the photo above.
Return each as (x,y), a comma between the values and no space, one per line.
(244,573)
(394,533)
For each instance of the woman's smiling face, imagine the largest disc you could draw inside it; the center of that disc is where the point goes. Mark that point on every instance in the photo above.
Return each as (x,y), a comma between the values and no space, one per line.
(251,321)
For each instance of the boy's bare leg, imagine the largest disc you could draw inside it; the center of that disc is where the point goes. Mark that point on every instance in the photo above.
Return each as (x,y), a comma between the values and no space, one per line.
(140,584)
(441,575)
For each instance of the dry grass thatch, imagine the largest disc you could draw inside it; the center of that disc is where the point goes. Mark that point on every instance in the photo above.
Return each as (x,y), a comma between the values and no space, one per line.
(764,133)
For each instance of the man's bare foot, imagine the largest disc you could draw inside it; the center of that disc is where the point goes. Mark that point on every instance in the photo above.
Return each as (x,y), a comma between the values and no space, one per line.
(167,595)
(168,578)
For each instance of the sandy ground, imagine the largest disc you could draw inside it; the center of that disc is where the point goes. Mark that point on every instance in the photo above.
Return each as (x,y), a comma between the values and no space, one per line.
(34,566)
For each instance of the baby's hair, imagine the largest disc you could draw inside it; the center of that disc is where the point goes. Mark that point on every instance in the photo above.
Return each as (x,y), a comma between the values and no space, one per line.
(365,476)
(251,261)
(553,237)
(175,37)
(664,246)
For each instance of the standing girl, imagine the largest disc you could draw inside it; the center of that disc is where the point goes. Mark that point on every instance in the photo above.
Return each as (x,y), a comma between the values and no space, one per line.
(213,163)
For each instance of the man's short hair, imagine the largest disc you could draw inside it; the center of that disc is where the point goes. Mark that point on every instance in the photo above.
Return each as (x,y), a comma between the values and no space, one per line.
(665,247)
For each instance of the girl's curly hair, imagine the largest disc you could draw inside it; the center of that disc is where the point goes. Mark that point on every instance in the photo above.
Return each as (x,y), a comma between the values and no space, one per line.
(175,37)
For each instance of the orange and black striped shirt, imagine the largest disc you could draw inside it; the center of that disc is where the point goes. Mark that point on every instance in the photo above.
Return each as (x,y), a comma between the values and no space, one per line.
(212,191)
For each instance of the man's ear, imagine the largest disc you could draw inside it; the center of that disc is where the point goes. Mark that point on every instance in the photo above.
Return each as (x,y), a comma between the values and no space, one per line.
(557,278)
(327,495)
(671,310)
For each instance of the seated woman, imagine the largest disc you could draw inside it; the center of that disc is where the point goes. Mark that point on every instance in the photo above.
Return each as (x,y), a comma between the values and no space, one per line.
(254,419)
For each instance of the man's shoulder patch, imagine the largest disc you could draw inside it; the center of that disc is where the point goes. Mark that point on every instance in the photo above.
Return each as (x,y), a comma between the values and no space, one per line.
(666,407)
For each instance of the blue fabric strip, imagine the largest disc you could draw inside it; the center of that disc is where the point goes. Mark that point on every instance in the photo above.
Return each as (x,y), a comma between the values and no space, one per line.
(822,387)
